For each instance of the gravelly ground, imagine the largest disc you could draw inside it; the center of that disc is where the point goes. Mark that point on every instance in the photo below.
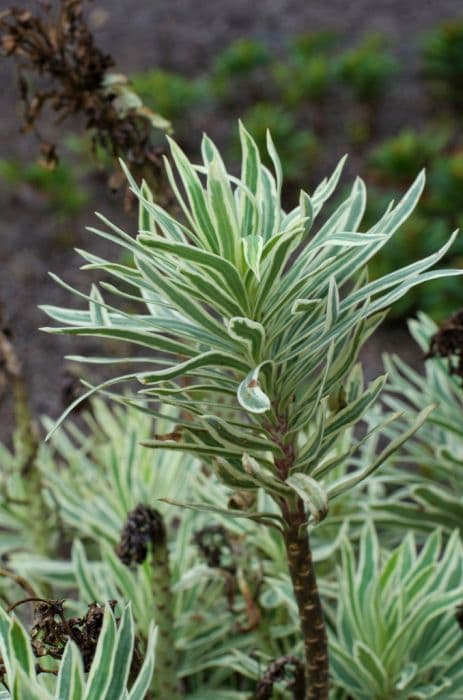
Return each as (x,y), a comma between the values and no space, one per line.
(182,35)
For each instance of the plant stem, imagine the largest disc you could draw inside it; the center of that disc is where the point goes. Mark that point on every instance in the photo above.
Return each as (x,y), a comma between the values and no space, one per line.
(301,569)
(305,588)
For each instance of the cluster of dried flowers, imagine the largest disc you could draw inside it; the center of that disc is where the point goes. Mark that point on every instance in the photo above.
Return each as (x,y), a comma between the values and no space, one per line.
(61,69)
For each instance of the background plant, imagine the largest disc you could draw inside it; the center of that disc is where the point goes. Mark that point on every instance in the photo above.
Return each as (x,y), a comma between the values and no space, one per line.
(429,493)
(94,476)
(443,61)
(396,632)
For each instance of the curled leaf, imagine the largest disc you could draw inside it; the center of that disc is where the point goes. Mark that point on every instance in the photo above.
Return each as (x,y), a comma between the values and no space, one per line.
(250,395)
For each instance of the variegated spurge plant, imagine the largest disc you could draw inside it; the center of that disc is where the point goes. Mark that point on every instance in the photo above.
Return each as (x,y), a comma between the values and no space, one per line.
(253,320)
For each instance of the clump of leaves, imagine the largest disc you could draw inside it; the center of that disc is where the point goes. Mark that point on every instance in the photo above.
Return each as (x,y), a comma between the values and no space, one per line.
(61,68)
(251,347)
(305,77)
(366,70)
(396,632)
(428,494)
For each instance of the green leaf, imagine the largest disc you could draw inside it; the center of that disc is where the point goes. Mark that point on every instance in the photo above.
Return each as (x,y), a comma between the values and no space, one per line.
(250,176)
(332,305)
(371,668)
(143,681)
(312,493)
(99,678)
(250,333)
(276,164)
(122,655)
(207,359)
(264,517)
(250,395)
(70,683)
(203,223)
(20,646)
(303,306)
(326,189)
(26,687)
(253,246)
(307,211)
(5,624)
(222,208)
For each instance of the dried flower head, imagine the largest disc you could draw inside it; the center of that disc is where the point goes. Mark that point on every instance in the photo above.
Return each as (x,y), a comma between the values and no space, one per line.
(61,68)
(144,526)
(276,672)
(51,630)
(448,342)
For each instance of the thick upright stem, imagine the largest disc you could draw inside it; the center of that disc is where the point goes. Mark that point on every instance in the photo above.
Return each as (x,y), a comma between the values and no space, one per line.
(309,605)
(301,569)
(165,678)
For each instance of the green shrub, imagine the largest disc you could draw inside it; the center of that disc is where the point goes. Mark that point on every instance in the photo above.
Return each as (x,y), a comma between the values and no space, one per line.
(367,69)
(433,497)
(306,82)
(443,62)
(171,94)
(237,62)
(309,44)
(396,159)
(396,633)
(307,73)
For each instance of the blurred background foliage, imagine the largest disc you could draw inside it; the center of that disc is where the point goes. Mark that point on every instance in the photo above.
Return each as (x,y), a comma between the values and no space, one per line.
(314,95)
